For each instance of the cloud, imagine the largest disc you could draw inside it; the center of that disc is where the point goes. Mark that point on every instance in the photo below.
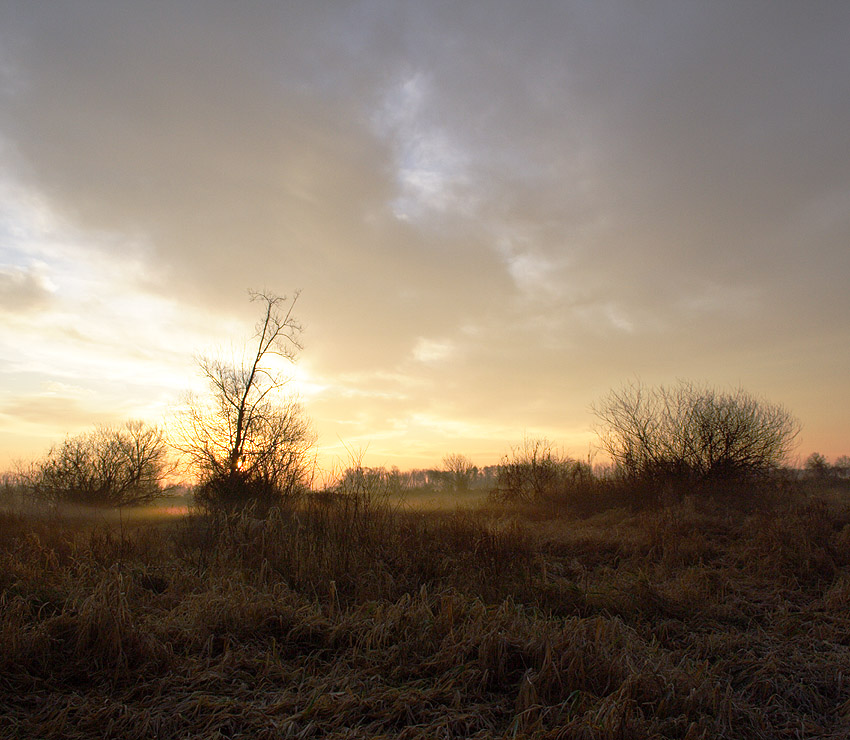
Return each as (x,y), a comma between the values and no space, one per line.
(600,136)
(432,350)
(595,188)
(57,404)
(430,168)
(25,289)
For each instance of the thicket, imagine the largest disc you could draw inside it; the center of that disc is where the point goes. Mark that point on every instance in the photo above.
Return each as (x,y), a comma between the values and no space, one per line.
(534,472)
(124,466)
(693,438)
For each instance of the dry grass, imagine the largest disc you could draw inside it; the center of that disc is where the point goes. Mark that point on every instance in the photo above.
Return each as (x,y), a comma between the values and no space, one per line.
(349,619)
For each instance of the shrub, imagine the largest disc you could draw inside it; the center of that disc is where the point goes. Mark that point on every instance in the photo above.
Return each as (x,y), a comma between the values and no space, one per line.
(693,435)
(237,492)
(535,473)
(105,467)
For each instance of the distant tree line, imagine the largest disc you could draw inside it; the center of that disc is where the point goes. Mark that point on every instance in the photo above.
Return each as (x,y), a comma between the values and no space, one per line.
(459,475)
(818,468)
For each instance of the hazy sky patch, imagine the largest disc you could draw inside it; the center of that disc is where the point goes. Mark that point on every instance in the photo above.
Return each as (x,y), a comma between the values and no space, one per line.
(495,212)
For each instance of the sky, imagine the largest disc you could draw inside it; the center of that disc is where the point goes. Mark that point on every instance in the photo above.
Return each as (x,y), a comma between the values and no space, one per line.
(495,211)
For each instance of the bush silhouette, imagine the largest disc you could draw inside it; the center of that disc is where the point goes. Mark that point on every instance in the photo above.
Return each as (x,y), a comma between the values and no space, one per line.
(104,467)
(691,435)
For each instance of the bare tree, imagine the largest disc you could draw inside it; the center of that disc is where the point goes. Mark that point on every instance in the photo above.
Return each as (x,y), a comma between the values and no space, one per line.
(817,467)
(104,467)
(841,466)
(692,433)
(247,443)
(460,472)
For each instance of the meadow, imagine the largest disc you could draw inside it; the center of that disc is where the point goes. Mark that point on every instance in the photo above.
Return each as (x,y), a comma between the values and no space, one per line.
(362,617)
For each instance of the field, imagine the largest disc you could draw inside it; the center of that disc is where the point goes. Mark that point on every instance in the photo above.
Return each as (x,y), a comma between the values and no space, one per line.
(354,618)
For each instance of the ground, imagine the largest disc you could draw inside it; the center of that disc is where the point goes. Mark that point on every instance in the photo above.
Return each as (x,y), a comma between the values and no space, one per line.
(360,619)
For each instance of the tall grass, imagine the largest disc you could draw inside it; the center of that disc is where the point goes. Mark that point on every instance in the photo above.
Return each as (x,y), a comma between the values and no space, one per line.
(349,617)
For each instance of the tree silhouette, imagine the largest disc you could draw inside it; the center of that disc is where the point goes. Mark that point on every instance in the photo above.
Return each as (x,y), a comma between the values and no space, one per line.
(248,444)
(460,472)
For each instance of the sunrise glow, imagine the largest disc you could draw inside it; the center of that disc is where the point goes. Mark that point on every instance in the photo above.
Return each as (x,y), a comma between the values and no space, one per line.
(493,217)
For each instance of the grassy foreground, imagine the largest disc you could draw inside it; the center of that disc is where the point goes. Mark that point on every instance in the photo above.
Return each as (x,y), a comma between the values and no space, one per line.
(347,619)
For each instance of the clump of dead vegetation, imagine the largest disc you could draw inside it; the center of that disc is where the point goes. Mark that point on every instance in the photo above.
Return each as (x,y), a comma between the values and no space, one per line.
(346,616)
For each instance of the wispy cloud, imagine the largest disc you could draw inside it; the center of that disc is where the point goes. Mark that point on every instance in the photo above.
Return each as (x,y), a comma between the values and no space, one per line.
(25,289)
(432,350)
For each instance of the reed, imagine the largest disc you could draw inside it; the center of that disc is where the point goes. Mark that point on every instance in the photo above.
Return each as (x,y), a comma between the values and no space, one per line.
(347,619)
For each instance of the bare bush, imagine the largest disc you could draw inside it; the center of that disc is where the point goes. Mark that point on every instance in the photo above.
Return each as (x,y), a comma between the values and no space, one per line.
(104,467)
(534,472)
(10,488)
(693,434)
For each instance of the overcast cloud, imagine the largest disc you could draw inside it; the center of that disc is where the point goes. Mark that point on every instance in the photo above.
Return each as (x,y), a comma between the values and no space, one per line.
(495,211)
